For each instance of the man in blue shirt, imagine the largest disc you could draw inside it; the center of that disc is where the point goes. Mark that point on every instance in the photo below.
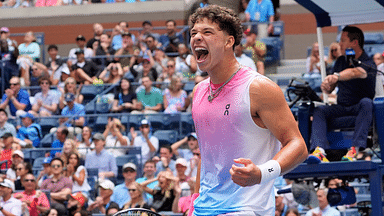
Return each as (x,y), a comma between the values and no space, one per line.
(16,98)
(171,39)
(30,133)
(149,173)
(120,193)
(61,135)
(74,111)
(261,11)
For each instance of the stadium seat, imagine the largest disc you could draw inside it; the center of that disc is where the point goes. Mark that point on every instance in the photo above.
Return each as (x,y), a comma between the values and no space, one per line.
(166,137)
(188,86)
(157,121)
(187,124)
(103,107)
(125,121)
(47,123)
(172,122)
(90,91)
(93,172)
(373,38)
(100,123)
(47,140)
(372,49)
(278,29)
(37,165)
(92,181)
(274,45)
(135,121)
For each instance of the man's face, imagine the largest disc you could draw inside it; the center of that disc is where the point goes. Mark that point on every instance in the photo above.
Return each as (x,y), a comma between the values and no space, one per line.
(145,129)
(150,42)
(44,84)
(36,72)
(128,40)
(104,193)
(80,43)
(56,167)
(180,168)
(8,141)
(164,152)
(80,57)
(129,174)
(26,121)
(323,202)
(52,53)
(123,26)
(4,191)
(99,145)
(29,182)
(170,27)
(208,44)
(98,29)
(171,68)
(146,82)
(147,28)
(14,84)
(192,143)
(104,38)
(3,117)
(345,42)
(378,58)
(149,169)
(59,134)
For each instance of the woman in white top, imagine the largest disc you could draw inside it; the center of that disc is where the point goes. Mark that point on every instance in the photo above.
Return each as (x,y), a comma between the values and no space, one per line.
(114,137)
(78,174)
(85,145)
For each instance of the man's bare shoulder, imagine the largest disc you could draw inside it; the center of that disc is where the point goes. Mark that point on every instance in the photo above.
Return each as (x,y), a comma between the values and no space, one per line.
(263,87)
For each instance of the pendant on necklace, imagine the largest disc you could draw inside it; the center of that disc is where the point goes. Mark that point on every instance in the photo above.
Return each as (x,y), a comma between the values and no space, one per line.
(210,98)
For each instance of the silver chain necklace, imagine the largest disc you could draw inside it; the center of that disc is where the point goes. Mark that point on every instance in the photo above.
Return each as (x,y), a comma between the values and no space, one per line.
(212,95)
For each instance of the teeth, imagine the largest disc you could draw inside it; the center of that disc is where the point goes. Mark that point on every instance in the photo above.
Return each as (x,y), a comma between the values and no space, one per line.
(200,49)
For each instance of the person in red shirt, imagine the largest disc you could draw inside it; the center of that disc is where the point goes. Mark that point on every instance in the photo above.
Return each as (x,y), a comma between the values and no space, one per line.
(6,153)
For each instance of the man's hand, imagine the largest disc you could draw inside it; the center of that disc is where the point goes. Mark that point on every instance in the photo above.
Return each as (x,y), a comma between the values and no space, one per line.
(329,83)
(133,133)
(248,175)
(317,214)
(164,161)
(9,93)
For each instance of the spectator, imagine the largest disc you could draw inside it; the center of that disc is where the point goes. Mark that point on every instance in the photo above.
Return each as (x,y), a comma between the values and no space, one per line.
(197,5)
(126,49)
(112,74)
(292,212)
(146,68)
(244,59)
(29,52)
(16,98)
(103,201)
(117,40)
(9,55)
(354,97)
(70,87)
(151,43)
(262,12)
(76,202)
(175,98)
(137,200)
(84,71)
(150,98)
(33,201)
(98,30)
(46,102)
(170,40)
(11,4)
(57,68)
(38,71)
(46,172)
(121,193)
(30,132)
(61,136)
(101,159)
(114,137)
(334,53)
(5,126)
(185,63)
(147,31)
(378,58)
(6,152)
(160,61)
(181,168)
(125,28)
(257,48)
(149,144)
(104,49)
(324,208)
(149,173)
(164,195)
(126,99)
(112,209)
(242,7)
(185,201)
(22,169)
(76,112)
(17,158)
(86,145)
(9,204)
(68,148)
(5,35)
(280,207)
(313,62)
(166,162)
(51,212)
(59,186)
(80,42)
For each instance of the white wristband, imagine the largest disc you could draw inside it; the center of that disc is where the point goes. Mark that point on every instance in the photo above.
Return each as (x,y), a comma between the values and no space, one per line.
(269,171)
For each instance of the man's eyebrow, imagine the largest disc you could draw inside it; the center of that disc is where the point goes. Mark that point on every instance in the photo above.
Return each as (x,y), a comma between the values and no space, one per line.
(206,28)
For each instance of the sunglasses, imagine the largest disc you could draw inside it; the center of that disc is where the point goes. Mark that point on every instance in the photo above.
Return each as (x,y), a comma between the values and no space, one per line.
(132,190)
(197,154)
(170,66)
(333,50)
(129,170)
(55,166)
(29,180)
(13,84)
(145,126)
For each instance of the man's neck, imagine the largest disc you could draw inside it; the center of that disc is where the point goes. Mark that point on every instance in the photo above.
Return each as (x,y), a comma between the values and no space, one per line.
(56,177)
(128,182)
(358,53)
(98,152)
(224,69)
(148,89)
(2,124)
(322,208)
(7,197)
(106,200)
(7,147)
(149,176)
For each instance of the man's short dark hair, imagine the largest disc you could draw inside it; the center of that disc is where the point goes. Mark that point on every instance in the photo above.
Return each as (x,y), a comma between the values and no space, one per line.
(171,20)
(150,161)
(150,36)
(146,22)
(167,147)
(126,23)
(52,46)
(57,159)
(46,78)
(354,33)
(3,110)
(226,18)
(64,130)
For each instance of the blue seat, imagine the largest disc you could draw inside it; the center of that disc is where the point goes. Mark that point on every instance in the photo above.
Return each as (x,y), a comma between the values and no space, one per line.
(103,107)
(157,121)
(187,124)
(92,181)
(278,29)
(37,165)
(173,122)
(135,121)
(101,122)
(373,38)
(274,45)
(166,137)
(93,172)
(90,91)
(47,123)
(372,49)
(90,107)
(125,121)
(188,86)
(47,140)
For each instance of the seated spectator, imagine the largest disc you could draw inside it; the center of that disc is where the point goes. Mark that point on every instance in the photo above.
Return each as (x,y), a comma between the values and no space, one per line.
(46,172)
(165,193)
(171,39)
(46,101)
(101,159)
(6,152)
(38,71)
(150,98)
(22,169)
(117,40)
(378,58)
(85,145)
(76,112)
(30,132)
(57,68)
(126,99)
(61,136)
(17,158)
(257,48)
(33,201)
(185,63)
(149,144)
(68,148)
(29,52)
(80,42)
(185,201)
(145,68)
(187,154)
(121,193)
(70,87)
(313,62)
(103,49)
(193,163)
(125,28)
(166,162)
(9,204)
(244,59)
(151,43)
(76,202)
(103,201)
(84,71)
(168,73)
(333,55)
(98,30)
(127,48)
(324,207)
(175,98)
(9,55)
(137,200)
(114,137)
(112,74)
(147,31)
(160,61)
(59,186)
(112,209)
(181,168)
(5,126)
(148,173)
(15,98)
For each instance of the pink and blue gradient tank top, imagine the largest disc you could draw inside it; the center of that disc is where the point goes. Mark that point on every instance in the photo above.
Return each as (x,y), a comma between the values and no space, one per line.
(226,131)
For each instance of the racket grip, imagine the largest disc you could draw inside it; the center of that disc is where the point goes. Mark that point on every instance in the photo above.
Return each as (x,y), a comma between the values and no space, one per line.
(191,208)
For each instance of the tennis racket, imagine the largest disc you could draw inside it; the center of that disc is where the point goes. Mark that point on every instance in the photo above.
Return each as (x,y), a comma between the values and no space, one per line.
(136,212)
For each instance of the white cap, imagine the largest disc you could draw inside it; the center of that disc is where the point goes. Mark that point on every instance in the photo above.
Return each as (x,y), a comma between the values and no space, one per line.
(181,161)
(130,165)
(8,183)
(107,184)
(18,152)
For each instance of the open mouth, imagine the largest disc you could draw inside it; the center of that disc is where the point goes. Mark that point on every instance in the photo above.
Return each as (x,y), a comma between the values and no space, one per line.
(201,54)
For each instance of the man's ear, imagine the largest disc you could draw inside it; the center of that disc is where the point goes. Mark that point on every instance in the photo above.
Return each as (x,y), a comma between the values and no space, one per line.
(230,42)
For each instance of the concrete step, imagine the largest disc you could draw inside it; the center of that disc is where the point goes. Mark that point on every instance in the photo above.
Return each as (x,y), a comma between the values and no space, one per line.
(293,62)
(299,69)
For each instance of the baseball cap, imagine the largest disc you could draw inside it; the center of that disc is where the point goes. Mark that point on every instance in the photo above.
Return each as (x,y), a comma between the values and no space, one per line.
(193,134)
(69,97)
(80,37)
(107,184)
(18,152)
(8,183)
(4,29)
(98,136)
(47,160)
(79,51)
(79,197)
(145,122)
(6,135)
(28,115)
(305,194)
(130,165)
(181,161)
